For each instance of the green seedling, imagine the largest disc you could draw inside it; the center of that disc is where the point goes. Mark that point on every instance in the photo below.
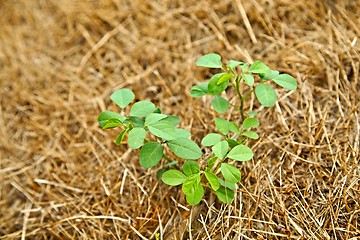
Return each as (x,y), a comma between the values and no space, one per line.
(158,136)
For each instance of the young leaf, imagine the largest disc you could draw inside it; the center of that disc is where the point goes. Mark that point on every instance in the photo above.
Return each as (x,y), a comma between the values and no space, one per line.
(220,149)
(112,123)
(211,60)
(224,78)
(142,108)
(213,180)
(225,195)
(150,154)
(222,125)
(259,68)
(220,104)
(163,129)
(136,137)
(199,90)
(211,139)
(211,162)
(157,110)
(171,163)
(173,177)
(250,123)
(233,64)
(232,142)
(252,114)
(191,184)
(214,88)
(191,167)
(248,79)
(107,115)
(270,75)
(120,137)
(185,148)
(286,81)
(251,134)
(153,118)
(122,97)
(230,173)
(265,94)
(234,128)
(240,153)
(195,197)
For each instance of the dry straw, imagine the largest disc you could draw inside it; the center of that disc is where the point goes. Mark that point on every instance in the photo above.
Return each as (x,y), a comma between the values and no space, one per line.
(62,177)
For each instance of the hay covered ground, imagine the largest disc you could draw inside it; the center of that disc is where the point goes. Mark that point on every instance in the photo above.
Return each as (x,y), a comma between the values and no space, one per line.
(62,177)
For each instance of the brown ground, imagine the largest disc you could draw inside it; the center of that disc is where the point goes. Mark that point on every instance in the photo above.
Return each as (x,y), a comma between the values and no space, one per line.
(63,178)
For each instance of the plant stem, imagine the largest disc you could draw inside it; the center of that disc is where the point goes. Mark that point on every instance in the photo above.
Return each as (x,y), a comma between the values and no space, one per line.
(237,88)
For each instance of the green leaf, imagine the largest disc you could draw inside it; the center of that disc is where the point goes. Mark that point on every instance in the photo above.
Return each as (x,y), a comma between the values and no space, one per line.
(159,173)
(233,64)
(120,137)
(214,88)
(191,184)
(199,90)
(232,142)
(220,104)
(232,186)
(265,94)
(252,114)
(153,118)
(286,81)
(234,128)
(173,177)
(230,173)
(248,79)
(211,162)
(112,123)
(220,149)
(136,137)
(150,154)
(182,133)
(122,97)
(240,153)
(174,120)
(224,78)
(213,180)
(157,110)
(137,121)
(163,129)
(185,148)
(195,197)
(259,68)
(211,139)
(250,123)
(191,167)
(171,163)
(107,115)
(251,134)
(142,108)
(270,75)
(225,195)
(211,60)
(222,125)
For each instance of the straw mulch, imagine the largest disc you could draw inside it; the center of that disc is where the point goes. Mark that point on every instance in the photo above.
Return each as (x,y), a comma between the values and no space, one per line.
(62,177)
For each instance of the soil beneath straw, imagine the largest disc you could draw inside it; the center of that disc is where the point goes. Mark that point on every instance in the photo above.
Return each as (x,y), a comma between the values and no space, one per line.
(62,177)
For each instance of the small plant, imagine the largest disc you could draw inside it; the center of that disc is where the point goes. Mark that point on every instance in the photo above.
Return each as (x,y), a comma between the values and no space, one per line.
(156,134)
